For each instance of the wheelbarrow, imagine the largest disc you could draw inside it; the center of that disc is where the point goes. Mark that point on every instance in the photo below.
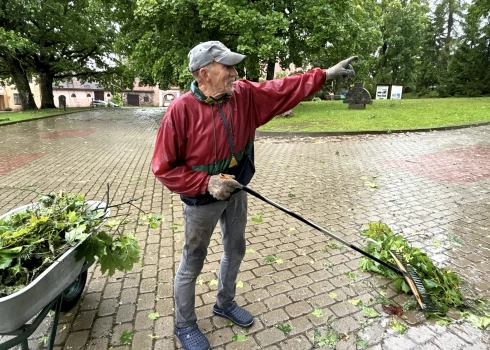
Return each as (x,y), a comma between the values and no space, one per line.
(58,288)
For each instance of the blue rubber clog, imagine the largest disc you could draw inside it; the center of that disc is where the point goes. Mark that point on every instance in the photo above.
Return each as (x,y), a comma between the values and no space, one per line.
(192,338)
(236,314)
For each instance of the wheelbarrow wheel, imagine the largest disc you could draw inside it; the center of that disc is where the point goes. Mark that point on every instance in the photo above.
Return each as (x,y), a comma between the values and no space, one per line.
(73,293)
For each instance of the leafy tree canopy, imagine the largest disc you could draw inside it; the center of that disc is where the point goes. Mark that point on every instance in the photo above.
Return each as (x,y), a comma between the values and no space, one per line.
(60,39)
(163,32)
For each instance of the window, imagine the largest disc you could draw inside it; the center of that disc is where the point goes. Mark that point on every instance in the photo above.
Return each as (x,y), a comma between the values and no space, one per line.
(16,99)
(73,95)
(108,95)
(146,99)
(88,95)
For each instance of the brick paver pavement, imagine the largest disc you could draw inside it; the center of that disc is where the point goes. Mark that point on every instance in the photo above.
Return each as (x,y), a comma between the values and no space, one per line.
(328,180)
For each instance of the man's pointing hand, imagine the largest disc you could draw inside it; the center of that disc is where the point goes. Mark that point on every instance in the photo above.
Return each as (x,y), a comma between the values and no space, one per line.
(342,69)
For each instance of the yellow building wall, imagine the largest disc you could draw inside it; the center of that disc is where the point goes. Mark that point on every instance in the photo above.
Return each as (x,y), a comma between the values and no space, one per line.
(7,96)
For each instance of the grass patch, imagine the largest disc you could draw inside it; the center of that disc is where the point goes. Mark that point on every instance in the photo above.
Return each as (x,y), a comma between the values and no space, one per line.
(41,113)
(383,115)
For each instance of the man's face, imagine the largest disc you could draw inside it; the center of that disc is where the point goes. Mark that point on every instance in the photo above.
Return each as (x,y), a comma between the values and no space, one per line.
(221,79)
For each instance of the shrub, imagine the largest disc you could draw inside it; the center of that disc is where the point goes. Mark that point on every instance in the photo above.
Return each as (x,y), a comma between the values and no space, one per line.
(409,95)
(116,98)
(309,98)
(473,92)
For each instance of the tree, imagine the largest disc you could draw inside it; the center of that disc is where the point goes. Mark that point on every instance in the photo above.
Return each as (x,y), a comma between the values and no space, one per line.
(404,23)
(468,70)
(339,30)
(163,32)
(427,74)
(13,52)
(66,39)
(447,14)
(266,31)
(479,13)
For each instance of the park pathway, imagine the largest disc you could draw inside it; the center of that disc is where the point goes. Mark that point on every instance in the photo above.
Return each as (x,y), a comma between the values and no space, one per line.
(434,188)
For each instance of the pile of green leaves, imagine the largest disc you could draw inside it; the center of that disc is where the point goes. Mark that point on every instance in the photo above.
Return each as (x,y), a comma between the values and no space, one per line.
(31,240)
(443,286)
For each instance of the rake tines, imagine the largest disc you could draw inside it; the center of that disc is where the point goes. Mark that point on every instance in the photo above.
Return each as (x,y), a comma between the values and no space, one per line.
(415,283)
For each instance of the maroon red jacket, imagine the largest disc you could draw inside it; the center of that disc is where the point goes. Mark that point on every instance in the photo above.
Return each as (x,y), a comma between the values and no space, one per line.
(192,142)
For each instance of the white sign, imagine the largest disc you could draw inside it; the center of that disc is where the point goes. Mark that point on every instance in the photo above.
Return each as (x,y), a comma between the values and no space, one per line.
(1,90)
(382,92)
(396,92)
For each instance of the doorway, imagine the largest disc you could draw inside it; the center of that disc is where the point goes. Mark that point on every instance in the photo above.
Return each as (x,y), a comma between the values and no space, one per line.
(61,101)
(133,100)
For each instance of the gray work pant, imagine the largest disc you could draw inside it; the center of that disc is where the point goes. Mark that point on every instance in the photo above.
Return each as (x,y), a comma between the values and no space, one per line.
(199,223)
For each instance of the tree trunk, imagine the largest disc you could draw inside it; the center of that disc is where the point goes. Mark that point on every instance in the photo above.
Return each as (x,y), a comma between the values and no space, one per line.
(253,68)
(46,86)
(271,65)
(337,87)
(253,75)
(21,82)
(450,23)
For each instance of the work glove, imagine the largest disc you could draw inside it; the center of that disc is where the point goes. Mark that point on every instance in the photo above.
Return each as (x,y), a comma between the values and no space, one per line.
(342,69)
(221,188)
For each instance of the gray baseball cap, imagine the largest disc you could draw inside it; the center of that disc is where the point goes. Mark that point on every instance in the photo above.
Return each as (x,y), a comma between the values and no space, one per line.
(205,53)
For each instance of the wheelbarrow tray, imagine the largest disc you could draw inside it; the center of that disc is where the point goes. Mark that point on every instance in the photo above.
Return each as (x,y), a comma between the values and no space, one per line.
(18,308)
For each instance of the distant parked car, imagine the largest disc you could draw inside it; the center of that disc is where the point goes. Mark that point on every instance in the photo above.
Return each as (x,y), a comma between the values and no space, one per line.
(167,99)
(98,103)
(112,104)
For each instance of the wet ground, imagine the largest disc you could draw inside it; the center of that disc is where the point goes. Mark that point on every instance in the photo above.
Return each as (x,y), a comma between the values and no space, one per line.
(431,187)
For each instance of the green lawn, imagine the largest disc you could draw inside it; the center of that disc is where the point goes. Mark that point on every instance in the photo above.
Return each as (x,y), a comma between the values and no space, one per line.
(335,115)
(383,115)
(18,116)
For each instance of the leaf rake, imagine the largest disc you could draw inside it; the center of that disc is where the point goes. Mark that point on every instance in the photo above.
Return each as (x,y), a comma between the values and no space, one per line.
(404,268)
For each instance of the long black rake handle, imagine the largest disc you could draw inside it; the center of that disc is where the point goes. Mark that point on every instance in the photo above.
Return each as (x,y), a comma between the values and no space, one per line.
(328,233)
(412,279)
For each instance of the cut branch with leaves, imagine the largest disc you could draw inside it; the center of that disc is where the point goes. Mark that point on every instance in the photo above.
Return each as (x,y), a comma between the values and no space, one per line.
(32,239)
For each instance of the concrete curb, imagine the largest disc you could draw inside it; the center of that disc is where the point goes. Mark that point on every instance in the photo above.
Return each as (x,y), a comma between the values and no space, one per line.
(47,116)
(56,115)
(259,133)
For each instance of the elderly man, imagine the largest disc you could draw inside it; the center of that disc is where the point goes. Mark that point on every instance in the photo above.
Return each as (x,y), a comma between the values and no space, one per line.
(208,131)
